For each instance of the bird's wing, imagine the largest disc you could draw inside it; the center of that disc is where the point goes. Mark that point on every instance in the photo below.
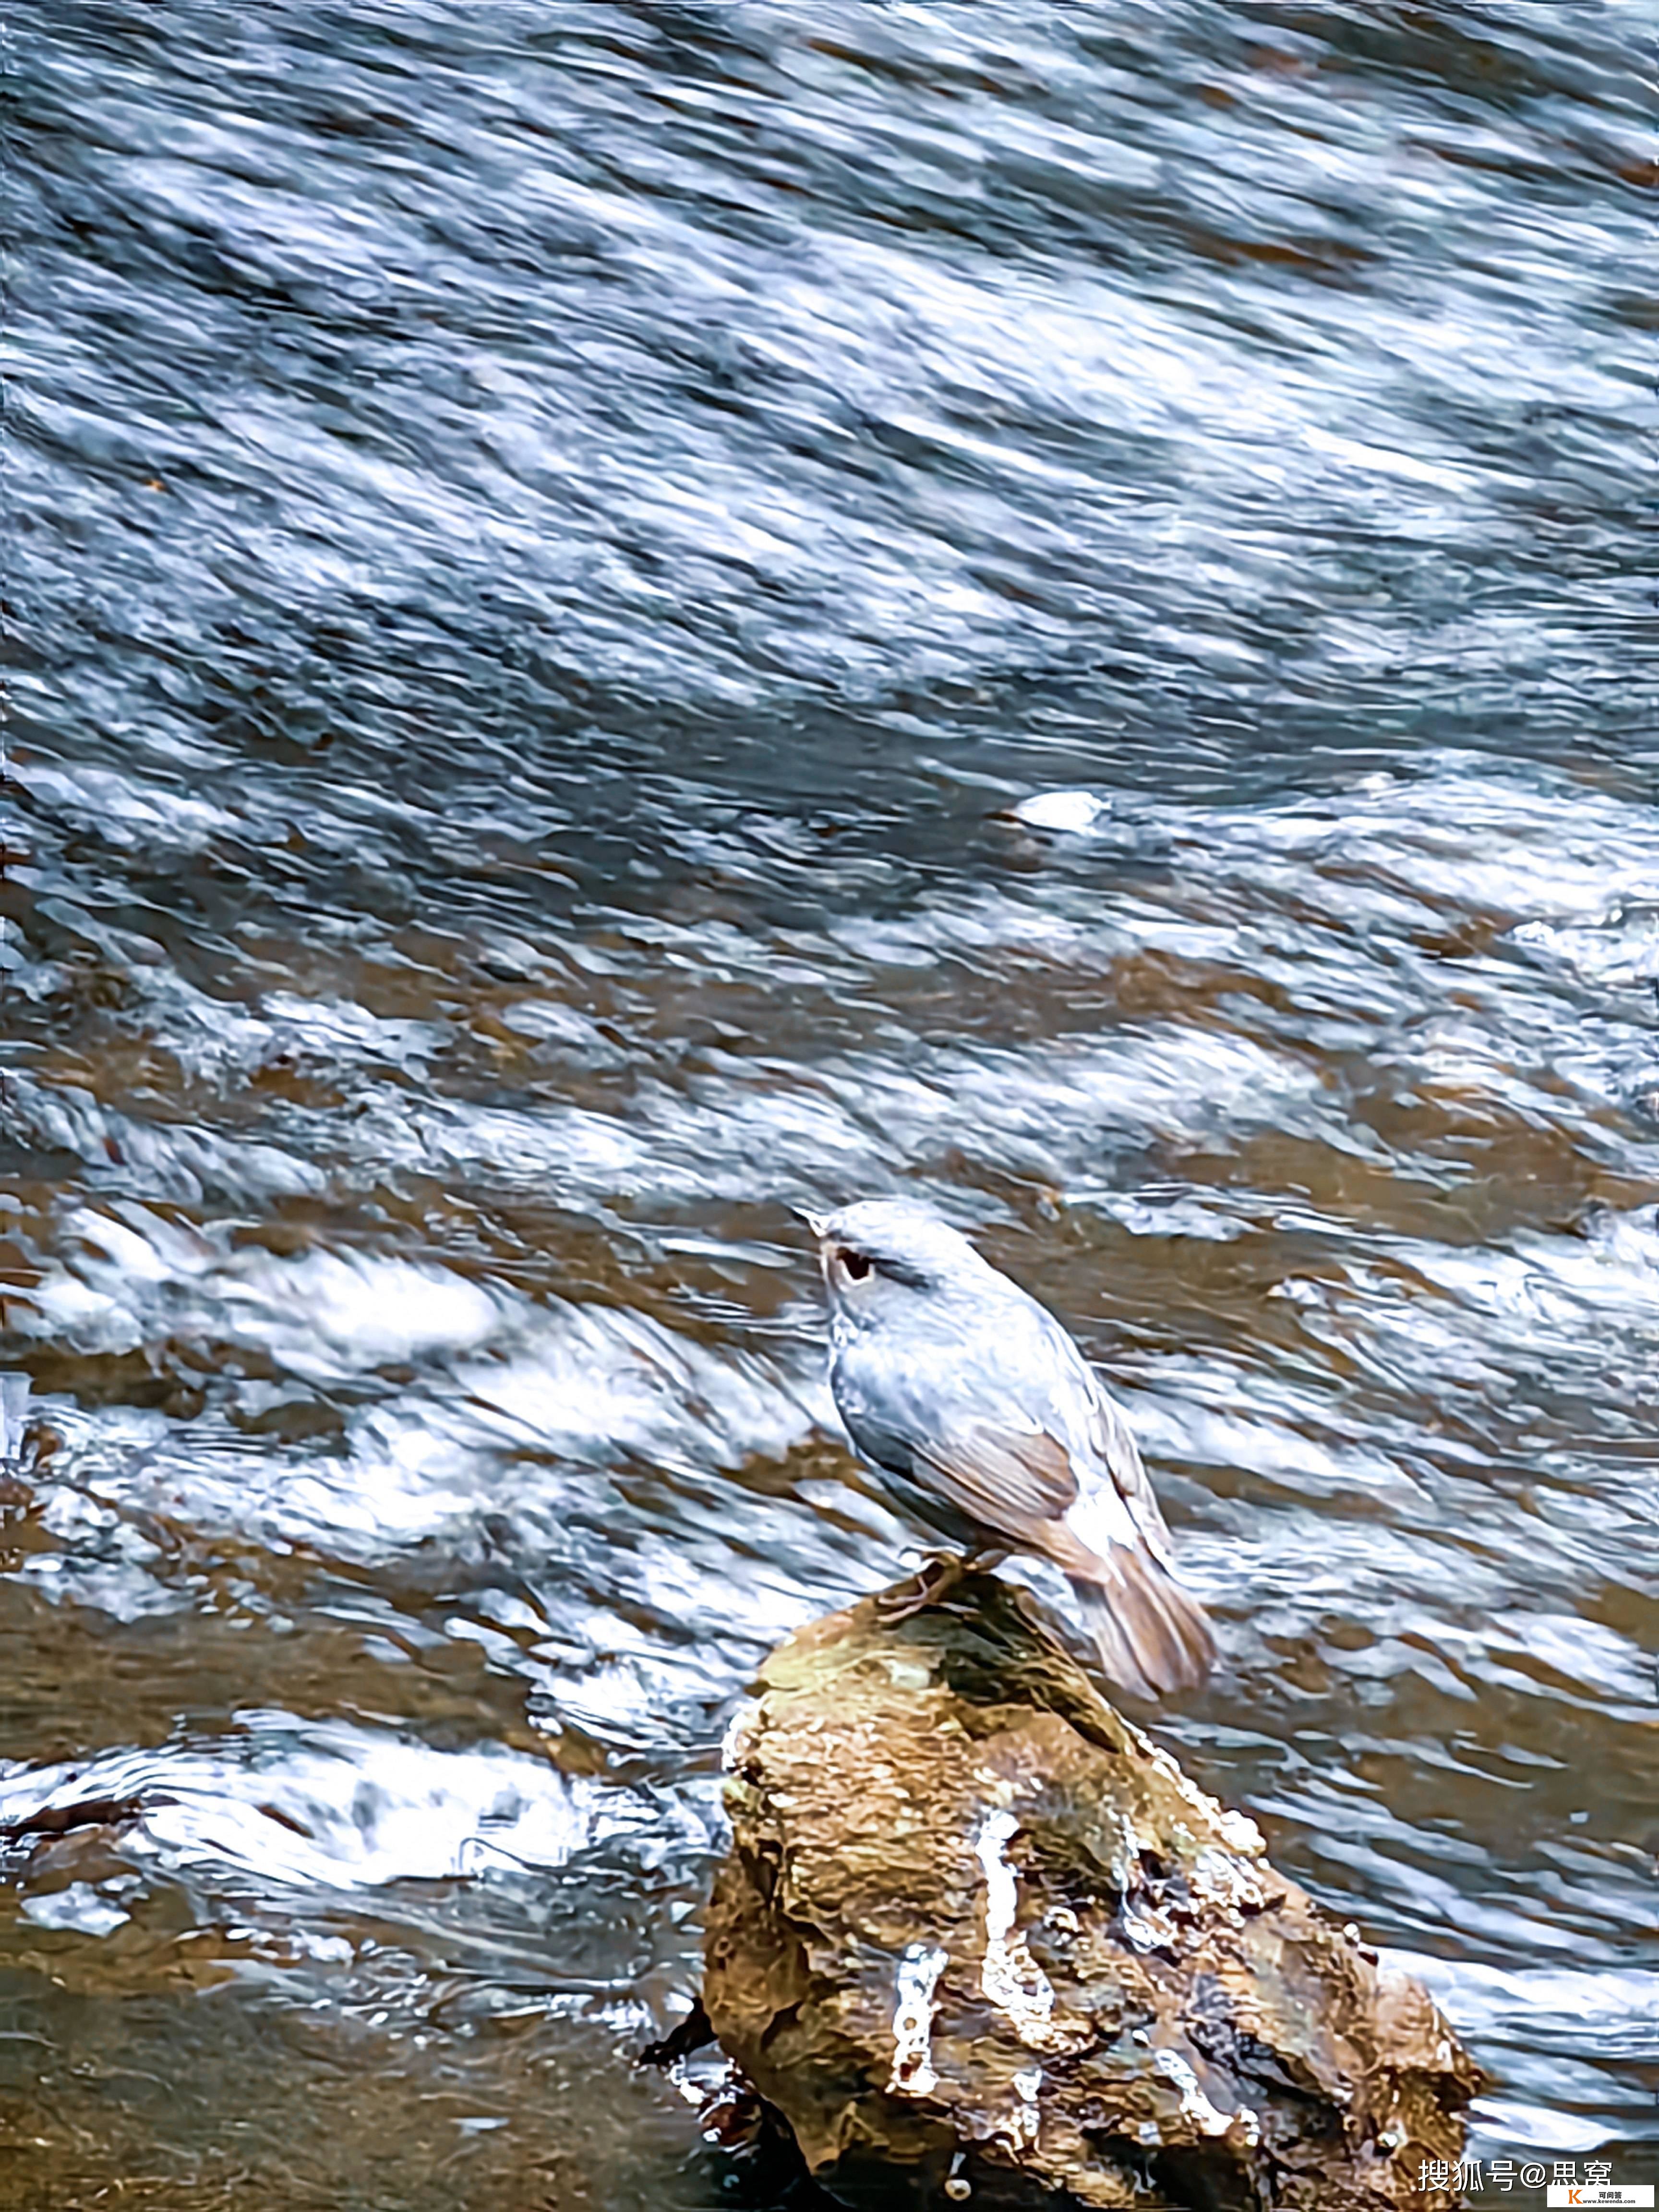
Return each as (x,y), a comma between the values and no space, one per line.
(1106,1534)
(1039,1453)
(1113,1446)
(1007,1422)
(1006,1478)
(1115,1548)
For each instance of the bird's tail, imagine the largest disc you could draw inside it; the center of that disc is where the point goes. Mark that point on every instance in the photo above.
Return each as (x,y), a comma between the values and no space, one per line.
(1151,1636)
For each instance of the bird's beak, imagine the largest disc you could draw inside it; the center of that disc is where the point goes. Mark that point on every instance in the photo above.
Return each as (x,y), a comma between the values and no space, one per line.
(816,1222)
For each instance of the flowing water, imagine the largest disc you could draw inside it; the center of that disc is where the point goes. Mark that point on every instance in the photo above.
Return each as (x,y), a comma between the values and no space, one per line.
(545,543)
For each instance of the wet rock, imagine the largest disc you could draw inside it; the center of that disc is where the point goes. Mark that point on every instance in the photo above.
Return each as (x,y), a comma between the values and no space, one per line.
(974,1924)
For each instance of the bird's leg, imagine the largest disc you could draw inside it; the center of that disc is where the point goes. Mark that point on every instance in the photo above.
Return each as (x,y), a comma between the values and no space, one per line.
(933,1583)
(948,1595)
(940,1572)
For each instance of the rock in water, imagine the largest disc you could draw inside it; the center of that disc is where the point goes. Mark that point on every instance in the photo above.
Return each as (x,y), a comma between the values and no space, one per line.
(974,1923)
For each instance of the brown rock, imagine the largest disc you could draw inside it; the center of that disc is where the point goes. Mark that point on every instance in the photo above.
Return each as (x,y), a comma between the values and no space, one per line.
(974,1923)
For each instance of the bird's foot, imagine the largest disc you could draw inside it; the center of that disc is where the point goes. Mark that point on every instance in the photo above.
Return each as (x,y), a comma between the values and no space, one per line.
(933,1583)
(938,1575)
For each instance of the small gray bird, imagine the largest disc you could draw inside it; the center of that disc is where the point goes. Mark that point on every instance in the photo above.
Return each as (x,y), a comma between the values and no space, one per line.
(991,1428)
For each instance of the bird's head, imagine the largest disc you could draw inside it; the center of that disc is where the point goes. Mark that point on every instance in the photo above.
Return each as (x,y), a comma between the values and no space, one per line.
(884,1254)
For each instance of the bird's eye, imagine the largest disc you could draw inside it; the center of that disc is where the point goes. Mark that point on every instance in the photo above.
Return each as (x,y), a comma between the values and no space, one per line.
(857,1264)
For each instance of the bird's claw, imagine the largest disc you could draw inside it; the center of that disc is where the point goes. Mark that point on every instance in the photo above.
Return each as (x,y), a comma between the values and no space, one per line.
(933,1583)
(938,1575)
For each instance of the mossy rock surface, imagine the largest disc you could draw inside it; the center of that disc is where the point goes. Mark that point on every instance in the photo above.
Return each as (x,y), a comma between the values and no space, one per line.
(974,1925)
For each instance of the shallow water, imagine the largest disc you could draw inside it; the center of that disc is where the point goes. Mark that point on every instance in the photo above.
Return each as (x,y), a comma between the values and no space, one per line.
(544,548)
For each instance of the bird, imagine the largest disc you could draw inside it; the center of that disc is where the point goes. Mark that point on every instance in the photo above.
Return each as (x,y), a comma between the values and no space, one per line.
(986,1424)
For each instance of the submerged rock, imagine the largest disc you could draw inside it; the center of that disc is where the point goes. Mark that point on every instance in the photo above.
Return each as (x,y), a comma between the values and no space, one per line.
(973,1923)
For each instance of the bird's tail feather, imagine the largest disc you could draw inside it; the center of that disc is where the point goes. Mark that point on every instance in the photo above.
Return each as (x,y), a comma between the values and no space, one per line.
(1151,1635)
